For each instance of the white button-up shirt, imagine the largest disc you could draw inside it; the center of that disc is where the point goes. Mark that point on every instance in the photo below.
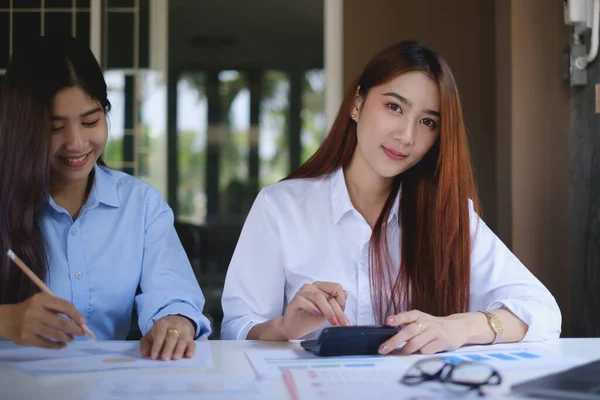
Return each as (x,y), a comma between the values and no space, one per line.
(305,230)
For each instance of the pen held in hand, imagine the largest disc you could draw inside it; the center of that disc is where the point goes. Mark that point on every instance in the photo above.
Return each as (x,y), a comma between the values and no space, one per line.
(41,285)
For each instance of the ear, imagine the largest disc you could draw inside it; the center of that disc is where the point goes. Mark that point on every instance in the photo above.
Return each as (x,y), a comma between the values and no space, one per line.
(355,111)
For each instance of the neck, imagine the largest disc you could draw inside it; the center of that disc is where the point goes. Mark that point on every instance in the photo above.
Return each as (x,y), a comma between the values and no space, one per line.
(368,191)
(70,195)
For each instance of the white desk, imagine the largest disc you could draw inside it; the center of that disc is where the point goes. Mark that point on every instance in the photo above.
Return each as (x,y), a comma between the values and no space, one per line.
(227,357)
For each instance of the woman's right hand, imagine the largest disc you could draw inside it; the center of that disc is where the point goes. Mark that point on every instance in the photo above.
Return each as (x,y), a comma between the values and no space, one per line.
(312,306)
(37,322)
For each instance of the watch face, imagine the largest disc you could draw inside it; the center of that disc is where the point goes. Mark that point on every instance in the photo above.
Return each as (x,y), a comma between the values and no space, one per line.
(496,323)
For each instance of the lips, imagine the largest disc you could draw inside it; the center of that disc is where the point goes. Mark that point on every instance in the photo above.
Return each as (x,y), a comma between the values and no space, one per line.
(77,161)
(393,154)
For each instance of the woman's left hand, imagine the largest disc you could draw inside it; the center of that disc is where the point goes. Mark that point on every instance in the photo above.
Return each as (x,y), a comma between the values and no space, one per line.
(426,333)
(171,338)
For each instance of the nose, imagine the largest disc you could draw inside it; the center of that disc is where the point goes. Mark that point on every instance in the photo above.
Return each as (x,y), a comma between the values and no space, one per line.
(75,140)
(405,133)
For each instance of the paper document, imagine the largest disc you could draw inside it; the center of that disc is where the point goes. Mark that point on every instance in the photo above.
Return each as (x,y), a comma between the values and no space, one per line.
(101,357)
(272,363)
(517,358)
(359,384)
(184,386)
(16,353)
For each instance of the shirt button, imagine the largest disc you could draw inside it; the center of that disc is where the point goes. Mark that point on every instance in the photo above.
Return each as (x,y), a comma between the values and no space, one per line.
(78,275)
(73,231)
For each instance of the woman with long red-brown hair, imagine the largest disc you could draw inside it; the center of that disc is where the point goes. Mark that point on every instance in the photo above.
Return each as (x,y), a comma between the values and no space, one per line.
(380,226)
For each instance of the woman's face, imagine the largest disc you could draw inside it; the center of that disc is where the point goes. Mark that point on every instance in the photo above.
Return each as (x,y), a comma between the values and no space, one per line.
(397,123)
(77,134)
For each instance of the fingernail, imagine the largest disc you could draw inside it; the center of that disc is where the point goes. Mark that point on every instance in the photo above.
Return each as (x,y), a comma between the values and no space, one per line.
(317,311)
(154,356)
(383,350)
(82,321)
(335,321)
(392,320)
(347,323)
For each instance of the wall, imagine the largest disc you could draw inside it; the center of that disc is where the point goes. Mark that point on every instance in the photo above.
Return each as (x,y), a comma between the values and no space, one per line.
(539,143)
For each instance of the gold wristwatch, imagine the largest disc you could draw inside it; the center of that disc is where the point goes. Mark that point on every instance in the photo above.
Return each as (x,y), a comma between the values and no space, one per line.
(495,324)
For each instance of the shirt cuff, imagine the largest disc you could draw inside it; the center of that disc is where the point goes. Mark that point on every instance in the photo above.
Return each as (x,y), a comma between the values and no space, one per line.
(238,329)
(188,311)
(543,322)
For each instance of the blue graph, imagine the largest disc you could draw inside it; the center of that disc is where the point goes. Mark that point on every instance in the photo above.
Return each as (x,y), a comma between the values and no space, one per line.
(506,356)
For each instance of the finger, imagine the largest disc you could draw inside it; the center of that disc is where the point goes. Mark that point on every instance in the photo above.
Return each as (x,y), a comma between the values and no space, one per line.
(334,290)
(145,346)
(64,307)
(304,304)
(180,347)
(169,346)
(159,331)
(49,332)
(341,317)
(405,334)
(418,342)
(62,323)
(404,318)
(191,349)
(433,347)
(39,341)
(319,299)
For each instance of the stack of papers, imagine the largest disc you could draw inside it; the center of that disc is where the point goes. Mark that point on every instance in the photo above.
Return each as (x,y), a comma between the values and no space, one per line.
(184,386)
(91,357)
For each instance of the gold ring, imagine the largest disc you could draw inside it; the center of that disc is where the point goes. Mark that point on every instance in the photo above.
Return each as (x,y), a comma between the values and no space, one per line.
(420,327)
(175,331)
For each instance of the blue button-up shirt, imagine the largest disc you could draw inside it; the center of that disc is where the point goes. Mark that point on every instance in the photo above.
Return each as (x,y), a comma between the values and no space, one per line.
(123,239)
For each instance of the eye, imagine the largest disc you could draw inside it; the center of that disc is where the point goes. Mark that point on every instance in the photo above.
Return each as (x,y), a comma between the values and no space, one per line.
(394,107)
(90,124)
(428,122)
(57,128)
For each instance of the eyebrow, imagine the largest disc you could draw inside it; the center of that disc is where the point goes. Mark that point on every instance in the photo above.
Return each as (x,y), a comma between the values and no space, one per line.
(409,103)
(85,114)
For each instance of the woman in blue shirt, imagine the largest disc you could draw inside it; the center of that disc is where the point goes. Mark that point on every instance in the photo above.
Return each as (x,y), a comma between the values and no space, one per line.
(94,235)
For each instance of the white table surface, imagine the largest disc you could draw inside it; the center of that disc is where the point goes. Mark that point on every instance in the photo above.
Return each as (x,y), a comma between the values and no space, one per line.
(229,357)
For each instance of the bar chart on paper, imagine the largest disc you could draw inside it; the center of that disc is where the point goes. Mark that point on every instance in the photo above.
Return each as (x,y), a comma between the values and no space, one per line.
(273,363)
(359,384)
(517,358)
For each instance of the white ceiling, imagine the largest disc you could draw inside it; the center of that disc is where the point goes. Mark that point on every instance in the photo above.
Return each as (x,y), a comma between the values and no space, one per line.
(245,34)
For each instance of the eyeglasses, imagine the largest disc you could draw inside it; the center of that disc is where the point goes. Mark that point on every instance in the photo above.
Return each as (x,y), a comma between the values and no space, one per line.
(463,377)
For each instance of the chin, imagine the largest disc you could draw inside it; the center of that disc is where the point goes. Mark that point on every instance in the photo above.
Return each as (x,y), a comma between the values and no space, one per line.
(72,176)
(388,172)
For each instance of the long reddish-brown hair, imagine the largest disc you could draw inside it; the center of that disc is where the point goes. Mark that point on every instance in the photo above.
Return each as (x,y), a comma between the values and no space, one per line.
(434,274)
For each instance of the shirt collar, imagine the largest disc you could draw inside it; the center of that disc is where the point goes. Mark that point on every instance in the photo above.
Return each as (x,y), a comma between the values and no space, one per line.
(103,191)
(104,188)
(394,209)
(340,198)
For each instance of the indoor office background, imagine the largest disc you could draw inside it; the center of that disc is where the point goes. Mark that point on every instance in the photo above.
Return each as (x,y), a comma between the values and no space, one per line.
(209,105)
(214,99)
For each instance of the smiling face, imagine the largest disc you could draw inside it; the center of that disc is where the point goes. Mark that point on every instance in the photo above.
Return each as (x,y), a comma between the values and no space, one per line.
(397,124)
(77,135)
